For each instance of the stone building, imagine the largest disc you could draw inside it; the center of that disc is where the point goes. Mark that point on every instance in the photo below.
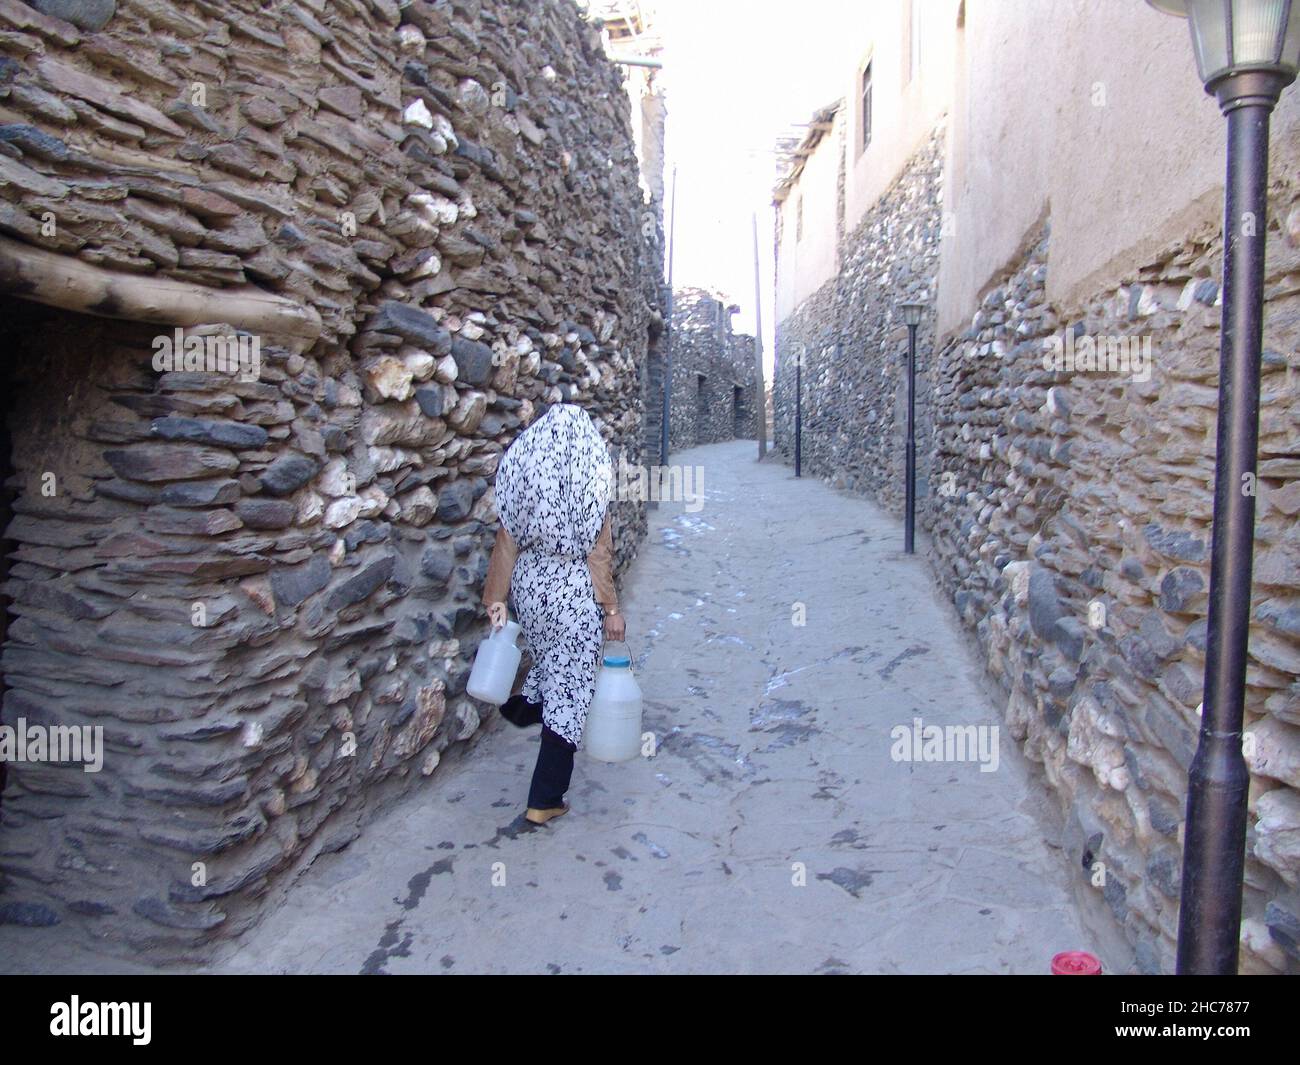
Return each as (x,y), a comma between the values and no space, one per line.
(1066,231)
(630,31)
(712,373)
(278,285)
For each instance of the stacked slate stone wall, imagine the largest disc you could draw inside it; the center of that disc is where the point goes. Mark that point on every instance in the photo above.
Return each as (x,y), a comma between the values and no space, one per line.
(265,588)
(1069,512)
(709,363)
(853,344)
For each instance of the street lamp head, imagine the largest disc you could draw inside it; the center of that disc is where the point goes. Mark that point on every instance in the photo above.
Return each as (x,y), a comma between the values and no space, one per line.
(912,311)
(1257,38)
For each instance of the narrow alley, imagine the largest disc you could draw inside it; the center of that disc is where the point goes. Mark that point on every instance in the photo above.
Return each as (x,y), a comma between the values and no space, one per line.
(407,403)
(773,752)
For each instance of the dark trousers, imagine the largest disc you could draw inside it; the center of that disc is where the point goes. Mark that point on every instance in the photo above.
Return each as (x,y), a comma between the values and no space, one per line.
(552,773)
(554,767)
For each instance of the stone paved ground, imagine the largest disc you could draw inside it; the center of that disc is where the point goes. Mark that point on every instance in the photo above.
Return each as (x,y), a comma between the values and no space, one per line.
(773,749)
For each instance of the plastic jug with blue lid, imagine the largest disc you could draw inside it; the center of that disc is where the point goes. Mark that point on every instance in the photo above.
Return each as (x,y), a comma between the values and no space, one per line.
(613,731)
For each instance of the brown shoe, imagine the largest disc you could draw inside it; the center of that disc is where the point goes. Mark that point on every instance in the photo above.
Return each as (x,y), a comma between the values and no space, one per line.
(540,817)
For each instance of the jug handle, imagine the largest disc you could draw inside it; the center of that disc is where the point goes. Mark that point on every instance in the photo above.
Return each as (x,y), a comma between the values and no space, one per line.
(630,655)
(494,631)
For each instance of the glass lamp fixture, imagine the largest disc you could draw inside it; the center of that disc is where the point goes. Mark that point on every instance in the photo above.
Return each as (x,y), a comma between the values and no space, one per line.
(1235,37)
(912,311)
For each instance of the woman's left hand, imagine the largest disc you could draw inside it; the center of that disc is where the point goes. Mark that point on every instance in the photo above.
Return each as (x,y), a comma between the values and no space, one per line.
(615,627)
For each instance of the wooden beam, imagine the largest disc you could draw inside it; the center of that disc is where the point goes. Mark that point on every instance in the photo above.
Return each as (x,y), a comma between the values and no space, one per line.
(64,281)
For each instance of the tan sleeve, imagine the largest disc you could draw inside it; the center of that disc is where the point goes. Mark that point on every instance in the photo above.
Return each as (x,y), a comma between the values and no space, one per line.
(504,552)
(601,564)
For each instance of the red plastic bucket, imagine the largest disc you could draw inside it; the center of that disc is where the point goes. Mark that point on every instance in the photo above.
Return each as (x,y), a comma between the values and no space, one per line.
(1075,963)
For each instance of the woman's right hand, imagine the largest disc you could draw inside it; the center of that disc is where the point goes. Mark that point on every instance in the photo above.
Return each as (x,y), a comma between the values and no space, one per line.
(497,614)
(615,627)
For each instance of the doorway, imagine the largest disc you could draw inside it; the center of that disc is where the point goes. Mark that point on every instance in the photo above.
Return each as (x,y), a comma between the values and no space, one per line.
(652,393)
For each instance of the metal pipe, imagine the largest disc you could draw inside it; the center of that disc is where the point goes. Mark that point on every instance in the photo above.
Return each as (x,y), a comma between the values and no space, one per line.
(909,527)
(637,61)
(1214,845)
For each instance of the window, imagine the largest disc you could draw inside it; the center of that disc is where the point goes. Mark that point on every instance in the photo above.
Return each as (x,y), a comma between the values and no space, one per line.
(866,108)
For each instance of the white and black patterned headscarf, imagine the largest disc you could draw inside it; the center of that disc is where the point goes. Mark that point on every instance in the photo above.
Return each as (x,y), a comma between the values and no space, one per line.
(552,488)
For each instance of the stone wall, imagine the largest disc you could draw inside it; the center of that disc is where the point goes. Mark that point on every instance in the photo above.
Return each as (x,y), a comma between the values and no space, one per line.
(713,392)
(1071,524)
(264,586)
(1069,513)
(854,346)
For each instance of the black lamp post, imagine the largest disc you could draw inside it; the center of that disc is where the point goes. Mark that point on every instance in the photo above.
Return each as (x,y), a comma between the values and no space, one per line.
(666,428)
(1247,52)
(798,412)
(911,311)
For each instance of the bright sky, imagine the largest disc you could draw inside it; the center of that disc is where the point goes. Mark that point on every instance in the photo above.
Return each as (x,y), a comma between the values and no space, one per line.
(739,74)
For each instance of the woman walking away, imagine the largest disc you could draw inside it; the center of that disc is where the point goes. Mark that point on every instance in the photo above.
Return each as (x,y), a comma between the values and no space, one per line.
(554,552)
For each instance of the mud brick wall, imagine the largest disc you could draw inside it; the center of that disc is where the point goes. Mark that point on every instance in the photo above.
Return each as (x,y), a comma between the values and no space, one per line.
(709,363)
(429,217)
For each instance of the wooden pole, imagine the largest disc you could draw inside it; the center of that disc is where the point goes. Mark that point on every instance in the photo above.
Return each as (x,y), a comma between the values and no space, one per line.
(67,282)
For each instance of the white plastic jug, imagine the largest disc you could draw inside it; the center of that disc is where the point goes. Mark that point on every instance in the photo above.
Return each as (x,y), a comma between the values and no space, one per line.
(495,665)
(613,732)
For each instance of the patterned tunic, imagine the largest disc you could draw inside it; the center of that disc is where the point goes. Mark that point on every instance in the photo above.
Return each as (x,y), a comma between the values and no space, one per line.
(552,493)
